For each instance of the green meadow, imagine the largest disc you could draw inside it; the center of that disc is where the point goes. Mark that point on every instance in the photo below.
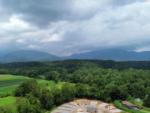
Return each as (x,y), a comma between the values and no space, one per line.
(9,103)
(118,104)
(8,84)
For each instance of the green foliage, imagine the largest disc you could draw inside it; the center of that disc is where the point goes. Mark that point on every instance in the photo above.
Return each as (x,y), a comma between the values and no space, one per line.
(119,105)
(5,110)
(68,92)
(26,106)
(115,92)
(104,80)
(147,101)
(8,104)
(46,99)
(52,75)
(29,86)
(8,84)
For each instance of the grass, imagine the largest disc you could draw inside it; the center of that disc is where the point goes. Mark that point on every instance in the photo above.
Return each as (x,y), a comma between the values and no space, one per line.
(46,83)
(8,83)
(119,105)
(9,102)
(8,90)
(140,104)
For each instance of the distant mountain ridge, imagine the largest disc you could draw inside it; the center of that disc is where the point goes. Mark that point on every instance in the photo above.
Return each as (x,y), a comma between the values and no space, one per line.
(113,54)
(106,54)
(27,56)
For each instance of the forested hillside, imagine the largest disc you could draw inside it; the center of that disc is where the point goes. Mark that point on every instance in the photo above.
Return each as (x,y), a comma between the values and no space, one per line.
(102,80)
(110,80)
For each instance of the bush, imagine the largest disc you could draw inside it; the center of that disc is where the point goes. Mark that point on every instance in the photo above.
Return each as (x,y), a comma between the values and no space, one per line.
(46,99)
(30,86)
(147,101)
(4,110)
(24,106)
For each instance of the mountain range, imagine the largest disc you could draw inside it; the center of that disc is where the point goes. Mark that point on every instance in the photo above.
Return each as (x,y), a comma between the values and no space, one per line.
(113,54)
(27,56)
(105,54)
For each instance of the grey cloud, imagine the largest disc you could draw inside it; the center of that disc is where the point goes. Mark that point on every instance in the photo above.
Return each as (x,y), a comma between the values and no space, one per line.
(67,27)
(41,12)
(124,2)
(38,11)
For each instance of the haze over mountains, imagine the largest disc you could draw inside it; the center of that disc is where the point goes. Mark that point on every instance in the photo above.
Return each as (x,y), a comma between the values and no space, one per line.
(26,56)
(106,54)
(113,54)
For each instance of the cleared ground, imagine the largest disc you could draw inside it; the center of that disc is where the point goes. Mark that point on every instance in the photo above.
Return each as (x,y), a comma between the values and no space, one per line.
(87,106)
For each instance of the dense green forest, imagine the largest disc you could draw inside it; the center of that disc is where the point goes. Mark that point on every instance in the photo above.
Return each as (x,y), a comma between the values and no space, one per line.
(102,80)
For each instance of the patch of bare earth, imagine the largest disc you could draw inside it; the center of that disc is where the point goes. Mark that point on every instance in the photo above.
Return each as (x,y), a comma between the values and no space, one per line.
(86,106)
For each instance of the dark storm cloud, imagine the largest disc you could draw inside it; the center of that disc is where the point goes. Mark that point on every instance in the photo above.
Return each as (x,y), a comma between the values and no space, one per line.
(71,26)
(41,12)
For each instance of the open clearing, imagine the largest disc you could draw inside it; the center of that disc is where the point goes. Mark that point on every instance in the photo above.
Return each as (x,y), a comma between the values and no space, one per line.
(86,106)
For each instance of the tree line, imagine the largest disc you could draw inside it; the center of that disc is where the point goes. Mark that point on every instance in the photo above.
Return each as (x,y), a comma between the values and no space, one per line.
(104,80)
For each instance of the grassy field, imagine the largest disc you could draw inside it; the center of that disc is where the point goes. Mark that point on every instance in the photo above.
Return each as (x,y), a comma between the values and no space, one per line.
(9,103)
(8,84)
(119,105)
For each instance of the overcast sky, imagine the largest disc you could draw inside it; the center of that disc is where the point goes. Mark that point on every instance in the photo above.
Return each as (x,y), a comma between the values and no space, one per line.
(64,27)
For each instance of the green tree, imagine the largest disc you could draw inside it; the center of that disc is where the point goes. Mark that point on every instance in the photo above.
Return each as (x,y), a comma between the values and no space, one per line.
(68,92)
(147,101)
(46,99)
(52,75)
(57,96)
(30,86)
(5,110)
(24,106)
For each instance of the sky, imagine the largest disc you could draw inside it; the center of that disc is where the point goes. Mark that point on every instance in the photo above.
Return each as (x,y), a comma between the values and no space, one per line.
(65,27)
